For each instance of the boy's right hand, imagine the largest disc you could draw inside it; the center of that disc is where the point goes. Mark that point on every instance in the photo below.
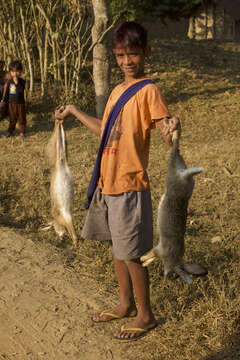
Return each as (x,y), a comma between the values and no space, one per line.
(169,126)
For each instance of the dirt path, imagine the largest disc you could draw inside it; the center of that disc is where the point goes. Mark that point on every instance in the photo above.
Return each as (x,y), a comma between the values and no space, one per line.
(45,309)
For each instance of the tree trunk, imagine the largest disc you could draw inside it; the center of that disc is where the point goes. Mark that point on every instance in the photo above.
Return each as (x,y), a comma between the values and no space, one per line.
(100,55)
(27,50)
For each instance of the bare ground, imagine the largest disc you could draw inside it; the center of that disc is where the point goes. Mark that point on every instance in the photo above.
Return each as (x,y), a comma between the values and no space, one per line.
(45,308)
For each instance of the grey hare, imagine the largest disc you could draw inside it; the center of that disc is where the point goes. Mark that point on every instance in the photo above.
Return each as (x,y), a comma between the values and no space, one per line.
(172,217)
(61,184)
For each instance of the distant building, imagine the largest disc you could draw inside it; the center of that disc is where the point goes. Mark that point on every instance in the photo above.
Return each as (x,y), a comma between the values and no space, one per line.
(215,19)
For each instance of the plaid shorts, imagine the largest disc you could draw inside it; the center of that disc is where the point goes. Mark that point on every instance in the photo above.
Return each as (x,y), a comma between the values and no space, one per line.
(125,219)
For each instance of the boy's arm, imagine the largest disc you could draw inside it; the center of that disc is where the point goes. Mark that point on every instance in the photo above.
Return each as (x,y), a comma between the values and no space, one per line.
(5,93)
(167,127)
(92,123)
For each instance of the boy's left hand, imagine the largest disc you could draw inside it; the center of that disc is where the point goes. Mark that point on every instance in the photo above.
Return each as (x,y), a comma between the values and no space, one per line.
(170,125)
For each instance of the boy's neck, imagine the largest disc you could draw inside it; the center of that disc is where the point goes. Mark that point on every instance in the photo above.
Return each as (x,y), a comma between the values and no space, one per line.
(129,80)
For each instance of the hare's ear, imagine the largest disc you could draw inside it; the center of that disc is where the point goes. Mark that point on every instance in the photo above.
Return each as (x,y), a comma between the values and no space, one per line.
(195,269)
(190,172)
(183,275)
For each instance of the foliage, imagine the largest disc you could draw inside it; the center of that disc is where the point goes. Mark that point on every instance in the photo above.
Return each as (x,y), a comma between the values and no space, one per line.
(124,9)
(52,38)
(134,9)
(173,9)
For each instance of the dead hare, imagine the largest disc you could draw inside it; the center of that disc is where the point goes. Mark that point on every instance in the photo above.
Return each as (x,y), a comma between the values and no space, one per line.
(61,184)
(172,217)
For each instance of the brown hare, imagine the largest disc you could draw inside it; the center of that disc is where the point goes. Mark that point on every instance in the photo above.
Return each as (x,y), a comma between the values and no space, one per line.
(172,217)
(61,184)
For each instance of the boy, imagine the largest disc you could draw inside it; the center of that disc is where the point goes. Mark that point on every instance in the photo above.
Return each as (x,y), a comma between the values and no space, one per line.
(14,96)
(121,208)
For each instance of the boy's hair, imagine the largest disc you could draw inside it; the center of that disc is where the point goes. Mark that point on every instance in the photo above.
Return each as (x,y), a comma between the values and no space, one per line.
(2,63)
(15,65)
(130,34)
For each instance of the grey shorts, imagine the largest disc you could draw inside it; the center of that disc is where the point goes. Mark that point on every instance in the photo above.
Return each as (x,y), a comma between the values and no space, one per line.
(124,219)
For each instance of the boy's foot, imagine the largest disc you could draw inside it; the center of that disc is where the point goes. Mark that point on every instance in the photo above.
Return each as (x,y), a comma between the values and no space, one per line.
(22,136)
(114,314)
(135,330)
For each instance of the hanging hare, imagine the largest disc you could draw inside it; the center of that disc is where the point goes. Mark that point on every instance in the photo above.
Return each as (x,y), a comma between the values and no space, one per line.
(172,217)
(61,184)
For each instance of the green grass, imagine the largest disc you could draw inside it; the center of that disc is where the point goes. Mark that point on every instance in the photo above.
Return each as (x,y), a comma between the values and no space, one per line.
(200,81)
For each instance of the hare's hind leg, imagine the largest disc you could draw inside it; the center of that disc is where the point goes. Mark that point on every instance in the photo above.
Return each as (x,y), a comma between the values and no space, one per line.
(71,231)
(59,228)
(64,221)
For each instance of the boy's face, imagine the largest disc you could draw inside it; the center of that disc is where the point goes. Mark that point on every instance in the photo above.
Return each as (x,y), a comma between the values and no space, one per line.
(130,61)
(15,73)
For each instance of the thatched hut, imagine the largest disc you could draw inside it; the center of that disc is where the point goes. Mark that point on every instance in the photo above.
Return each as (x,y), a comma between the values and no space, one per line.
(215,19)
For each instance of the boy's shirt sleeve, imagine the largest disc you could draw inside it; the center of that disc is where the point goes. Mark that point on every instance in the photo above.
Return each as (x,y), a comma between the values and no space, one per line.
(154,107)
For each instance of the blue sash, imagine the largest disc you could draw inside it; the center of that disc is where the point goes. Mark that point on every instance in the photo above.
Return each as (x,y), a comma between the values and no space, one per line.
(132,90)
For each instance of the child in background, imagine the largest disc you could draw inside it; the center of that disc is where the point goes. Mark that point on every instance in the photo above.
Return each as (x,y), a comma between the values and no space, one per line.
(15,98)
(121,207)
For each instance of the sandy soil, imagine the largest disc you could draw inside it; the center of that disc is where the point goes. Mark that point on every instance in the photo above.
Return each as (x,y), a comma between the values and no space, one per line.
(45,309)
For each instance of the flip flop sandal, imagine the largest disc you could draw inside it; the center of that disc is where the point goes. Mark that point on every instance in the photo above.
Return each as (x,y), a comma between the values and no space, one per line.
(112,317)
(141,333)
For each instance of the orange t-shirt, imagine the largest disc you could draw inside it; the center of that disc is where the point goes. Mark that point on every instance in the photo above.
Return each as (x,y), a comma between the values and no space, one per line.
(125,158)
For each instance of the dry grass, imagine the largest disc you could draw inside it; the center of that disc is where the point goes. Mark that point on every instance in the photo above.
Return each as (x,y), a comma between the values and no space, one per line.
(200,81)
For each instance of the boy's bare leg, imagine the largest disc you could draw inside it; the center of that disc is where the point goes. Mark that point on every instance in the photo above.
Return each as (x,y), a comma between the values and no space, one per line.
(145,318)
(127,306)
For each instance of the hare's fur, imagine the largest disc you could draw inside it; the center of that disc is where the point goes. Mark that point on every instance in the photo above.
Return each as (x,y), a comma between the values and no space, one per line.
(61,184)
(172,217)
